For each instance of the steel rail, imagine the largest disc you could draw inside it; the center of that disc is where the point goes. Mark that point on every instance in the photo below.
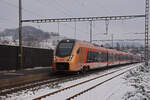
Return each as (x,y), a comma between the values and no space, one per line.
(30,85)
(82,92)
(69,87)
(13,89)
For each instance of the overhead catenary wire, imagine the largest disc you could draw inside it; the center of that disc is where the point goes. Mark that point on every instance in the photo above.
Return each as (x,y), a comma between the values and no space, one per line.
(31,12)
(15,6)
(4,24)
(73,28)
(64,12)
(102,7)
(49,3)
(2,20)
(60,4)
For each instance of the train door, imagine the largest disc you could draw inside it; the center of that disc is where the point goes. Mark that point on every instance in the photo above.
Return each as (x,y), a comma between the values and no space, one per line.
(80,56)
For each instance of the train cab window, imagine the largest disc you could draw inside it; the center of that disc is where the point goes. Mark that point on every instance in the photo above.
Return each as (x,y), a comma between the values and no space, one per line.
(78,51)
(64,49)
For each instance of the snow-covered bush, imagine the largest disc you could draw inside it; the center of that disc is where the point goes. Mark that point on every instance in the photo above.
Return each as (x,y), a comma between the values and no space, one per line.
(138,78)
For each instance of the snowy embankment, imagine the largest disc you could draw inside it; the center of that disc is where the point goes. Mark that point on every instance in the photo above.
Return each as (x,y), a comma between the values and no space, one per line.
(133,85)
(139,79)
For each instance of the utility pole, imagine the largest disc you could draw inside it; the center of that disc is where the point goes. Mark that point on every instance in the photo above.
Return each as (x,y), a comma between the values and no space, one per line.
(107,23)
(20,49)
(90,31)
(58,27)
(146,32)
(112,38)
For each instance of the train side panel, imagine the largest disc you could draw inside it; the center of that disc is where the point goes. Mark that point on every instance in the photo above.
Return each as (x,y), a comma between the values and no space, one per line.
(86,55)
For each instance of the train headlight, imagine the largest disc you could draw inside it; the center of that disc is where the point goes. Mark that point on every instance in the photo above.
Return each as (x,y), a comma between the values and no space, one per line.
(70,58)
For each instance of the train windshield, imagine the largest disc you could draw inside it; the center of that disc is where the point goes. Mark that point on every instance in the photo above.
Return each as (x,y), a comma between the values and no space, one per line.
(64,49)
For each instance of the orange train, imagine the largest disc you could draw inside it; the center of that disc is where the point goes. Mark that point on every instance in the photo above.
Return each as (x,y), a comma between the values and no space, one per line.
(74,55)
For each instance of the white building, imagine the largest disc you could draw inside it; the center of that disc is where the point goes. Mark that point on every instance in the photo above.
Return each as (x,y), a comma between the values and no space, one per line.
(52,42)
(6,40)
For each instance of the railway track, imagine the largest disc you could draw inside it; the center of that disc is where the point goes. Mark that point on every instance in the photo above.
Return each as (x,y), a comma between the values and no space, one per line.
(10,90)
(58,78)
(80,86)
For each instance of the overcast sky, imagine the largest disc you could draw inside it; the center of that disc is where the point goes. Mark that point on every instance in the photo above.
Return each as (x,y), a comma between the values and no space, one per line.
(33,9)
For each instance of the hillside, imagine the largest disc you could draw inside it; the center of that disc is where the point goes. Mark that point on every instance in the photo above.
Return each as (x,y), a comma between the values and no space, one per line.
(28,33)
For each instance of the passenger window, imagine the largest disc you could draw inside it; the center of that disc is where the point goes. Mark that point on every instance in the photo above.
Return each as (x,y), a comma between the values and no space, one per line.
(78,51)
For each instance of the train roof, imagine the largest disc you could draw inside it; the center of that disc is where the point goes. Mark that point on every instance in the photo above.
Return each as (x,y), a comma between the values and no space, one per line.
(90,45)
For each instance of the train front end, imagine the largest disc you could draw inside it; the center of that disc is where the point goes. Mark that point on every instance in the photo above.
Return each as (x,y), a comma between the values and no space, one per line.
(63,55)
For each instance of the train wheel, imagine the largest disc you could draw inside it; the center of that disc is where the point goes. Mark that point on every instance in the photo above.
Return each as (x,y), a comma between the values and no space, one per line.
(85,69)
(88,68)
(78,72)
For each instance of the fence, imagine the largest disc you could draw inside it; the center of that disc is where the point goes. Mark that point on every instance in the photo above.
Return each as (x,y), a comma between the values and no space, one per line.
(32,57)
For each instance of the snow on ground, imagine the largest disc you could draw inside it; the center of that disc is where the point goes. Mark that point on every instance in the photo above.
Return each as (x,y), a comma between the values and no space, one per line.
(111,90)
(70,92)
(41,90)
(139,79)
(134,85)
